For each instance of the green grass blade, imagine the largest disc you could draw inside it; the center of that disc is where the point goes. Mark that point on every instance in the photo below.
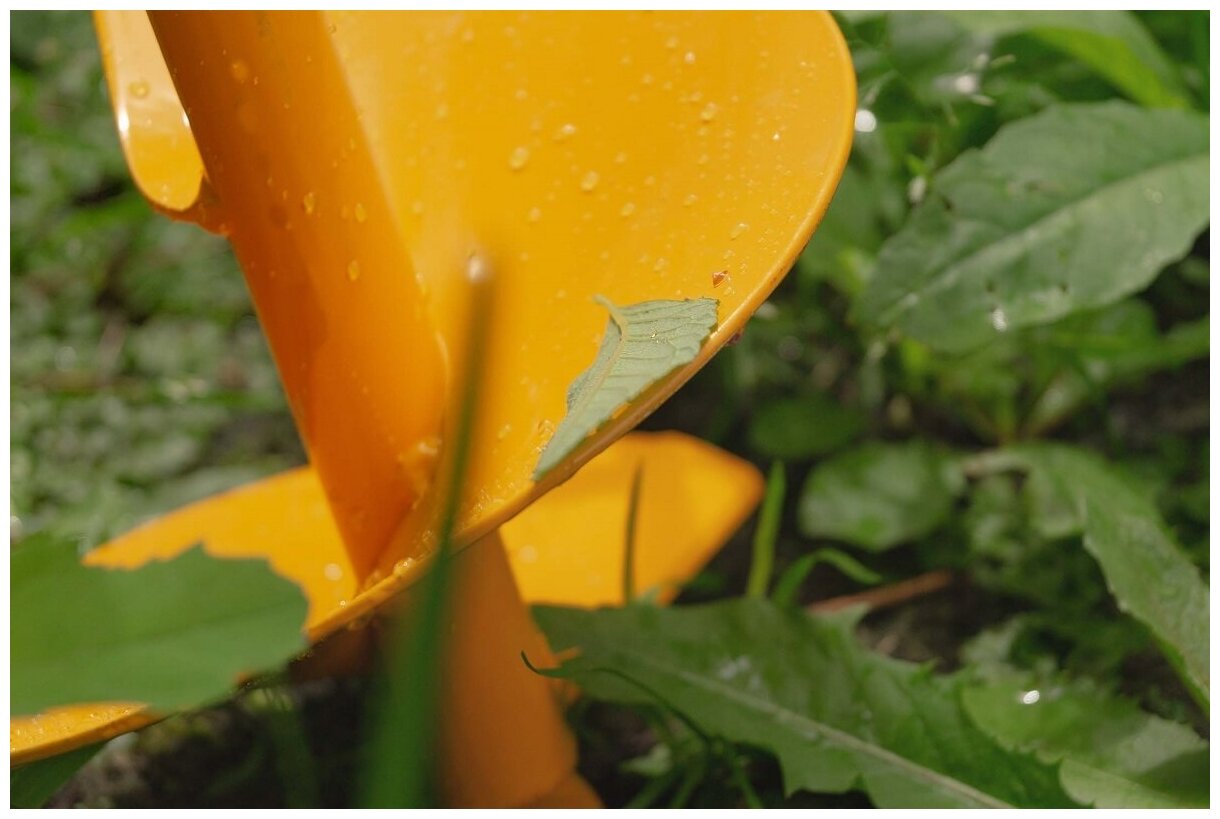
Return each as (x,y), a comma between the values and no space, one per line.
(400,754)
(767,533)
(633,511)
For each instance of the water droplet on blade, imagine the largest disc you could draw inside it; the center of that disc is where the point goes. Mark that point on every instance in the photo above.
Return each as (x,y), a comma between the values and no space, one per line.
(518,158)
(239,70)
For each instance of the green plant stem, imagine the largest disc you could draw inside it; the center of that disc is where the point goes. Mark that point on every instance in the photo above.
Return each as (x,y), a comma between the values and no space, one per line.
(633,511)
(766,534)
(401,754)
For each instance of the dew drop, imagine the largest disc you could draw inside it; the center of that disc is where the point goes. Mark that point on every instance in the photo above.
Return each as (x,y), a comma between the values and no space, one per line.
(361,214)
(353,270)
(689,58)
(239,70)
(309,203)
(709,112)
(518,158)
(404,566)
(671,42)
(589,181)
(564,132)
(659,265)
(504,432)
(999,319)
(138,89)
(739,229)
(627,209)
(333,572)
(690,199)
(966,84)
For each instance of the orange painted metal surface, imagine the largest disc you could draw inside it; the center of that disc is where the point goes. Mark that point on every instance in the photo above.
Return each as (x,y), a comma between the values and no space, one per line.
(357,161)
(632,155)
(568,548)
(153,130)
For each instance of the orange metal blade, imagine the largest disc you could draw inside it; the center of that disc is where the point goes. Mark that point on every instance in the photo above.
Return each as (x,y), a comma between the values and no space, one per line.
(153,128)
(568,547)
(360,158)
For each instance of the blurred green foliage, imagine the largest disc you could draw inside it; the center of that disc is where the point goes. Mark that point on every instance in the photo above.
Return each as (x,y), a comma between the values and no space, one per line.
(140,379)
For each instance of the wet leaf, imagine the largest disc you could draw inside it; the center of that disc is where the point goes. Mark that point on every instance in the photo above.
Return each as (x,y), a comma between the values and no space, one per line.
(643,343)
(1112,43)
(1149,575)
(800,427)
(1114,755)
(879,495)
(1070,209)
(838,717)
(170,634)
(30,786)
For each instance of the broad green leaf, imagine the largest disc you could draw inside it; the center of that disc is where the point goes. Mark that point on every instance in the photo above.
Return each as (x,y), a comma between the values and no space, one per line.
(1147,572)
(1070,209)
(1114,755)
(170,634)
(838,717)
(879,495)
(30,786)
(643,343)
(1114,346)
(796,428)
(1112,43)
